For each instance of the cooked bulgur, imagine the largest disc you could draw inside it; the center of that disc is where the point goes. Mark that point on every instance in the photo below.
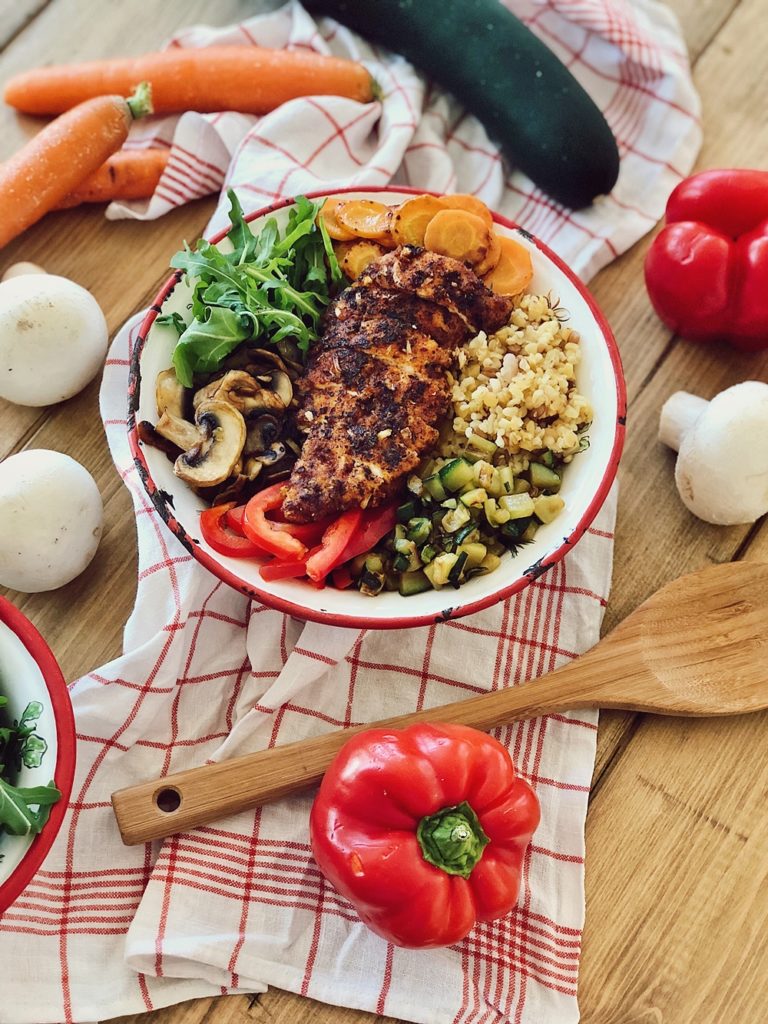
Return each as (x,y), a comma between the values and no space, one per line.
(517,388)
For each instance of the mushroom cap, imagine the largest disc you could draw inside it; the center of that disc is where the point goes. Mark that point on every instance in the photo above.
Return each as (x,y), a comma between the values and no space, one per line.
(53,339)
(722,466)
(213,460)
(50,520)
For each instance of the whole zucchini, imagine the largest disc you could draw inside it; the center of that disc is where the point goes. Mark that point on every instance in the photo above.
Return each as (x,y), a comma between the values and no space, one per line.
(527,99)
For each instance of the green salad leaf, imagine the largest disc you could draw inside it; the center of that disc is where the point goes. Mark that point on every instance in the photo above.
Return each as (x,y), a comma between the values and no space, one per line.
(23,810)
(268,288)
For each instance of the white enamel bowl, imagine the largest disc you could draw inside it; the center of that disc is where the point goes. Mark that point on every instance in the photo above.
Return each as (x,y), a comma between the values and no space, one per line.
(585,484)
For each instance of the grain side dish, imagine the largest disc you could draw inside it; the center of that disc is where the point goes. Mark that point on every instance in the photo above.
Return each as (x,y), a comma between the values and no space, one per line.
(517,388)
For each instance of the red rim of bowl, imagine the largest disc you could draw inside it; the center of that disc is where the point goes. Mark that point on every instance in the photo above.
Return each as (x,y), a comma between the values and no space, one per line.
(64,771)
(158,499)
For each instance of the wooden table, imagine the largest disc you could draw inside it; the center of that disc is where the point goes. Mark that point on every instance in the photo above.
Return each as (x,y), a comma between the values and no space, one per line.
(677,834)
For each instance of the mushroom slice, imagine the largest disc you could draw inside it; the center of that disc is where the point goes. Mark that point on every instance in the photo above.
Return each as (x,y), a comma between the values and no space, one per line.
(242,391)
(253,467)
(170,394)
(178,431)
(273,454)
(281,384)
(213,459)
(262,432)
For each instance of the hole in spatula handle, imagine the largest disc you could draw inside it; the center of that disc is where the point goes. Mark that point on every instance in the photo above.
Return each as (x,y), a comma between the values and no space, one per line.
(168,799)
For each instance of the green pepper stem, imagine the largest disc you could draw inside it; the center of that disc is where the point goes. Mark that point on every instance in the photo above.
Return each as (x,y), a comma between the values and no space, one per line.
(140,104)
(452,839)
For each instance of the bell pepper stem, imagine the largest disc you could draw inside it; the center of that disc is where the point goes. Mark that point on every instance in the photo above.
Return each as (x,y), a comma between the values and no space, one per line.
(452,839)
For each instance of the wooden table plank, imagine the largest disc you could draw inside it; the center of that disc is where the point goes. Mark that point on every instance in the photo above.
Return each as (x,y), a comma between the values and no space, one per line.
(15,15)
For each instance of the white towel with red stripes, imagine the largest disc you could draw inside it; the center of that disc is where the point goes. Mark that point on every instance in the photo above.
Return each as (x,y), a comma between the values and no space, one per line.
(104,930)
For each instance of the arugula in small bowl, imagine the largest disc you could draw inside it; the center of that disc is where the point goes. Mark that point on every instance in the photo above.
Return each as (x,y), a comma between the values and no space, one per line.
(23,811)
(267,288)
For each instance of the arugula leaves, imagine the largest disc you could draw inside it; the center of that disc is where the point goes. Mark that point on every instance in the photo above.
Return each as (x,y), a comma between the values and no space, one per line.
(20,745)
(266,289)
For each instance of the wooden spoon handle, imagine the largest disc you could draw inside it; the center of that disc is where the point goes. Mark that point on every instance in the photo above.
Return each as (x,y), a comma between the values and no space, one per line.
(194,797)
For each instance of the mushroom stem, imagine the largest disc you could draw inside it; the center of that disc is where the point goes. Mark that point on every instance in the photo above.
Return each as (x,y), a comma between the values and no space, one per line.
(678,414)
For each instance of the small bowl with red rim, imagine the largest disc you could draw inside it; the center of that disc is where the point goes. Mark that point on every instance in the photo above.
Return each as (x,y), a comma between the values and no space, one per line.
(585,486)
(29,672)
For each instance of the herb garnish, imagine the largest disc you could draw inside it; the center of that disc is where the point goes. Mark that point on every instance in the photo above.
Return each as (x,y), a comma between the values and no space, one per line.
(268,288)
(20,745)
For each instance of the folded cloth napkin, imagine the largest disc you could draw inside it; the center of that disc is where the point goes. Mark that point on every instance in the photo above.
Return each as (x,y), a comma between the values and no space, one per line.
(105,930)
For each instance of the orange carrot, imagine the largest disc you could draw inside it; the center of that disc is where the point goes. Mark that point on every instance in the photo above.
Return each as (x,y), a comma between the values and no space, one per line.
(62,155)
(491,258)
(354,257)
(129,174)
(336,230)
(513,273)
(464,201)
(458,234)
(365,218)
(412,217)
(245,78)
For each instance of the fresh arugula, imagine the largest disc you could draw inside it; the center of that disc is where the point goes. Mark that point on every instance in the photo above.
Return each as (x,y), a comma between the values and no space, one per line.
(23,810)
(268,288)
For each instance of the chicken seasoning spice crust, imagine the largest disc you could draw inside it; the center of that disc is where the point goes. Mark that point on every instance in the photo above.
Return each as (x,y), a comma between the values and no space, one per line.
(376,386)
(517,388)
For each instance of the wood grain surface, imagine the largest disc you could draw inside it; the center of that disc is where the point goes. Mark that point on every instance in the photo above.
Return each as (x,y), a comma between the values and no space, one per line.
(677,834)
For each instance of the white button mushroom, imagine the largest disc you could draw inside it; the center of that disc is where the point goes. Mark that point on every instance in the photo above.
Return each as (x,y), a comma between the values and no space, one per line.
(20,269)
(53,339)
(722,465)
(50,520)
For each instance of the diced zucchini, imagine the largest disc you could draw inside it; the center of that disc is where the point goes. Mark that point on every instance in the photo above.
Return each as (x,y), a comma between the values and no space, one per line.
(543,477)
(439,569)
(519,506)
(406,511)
(530,531)
(454,576)
(521,486)
(404,546)
(496,516)
(392,581)
(547,459)
(467,533)
(357,565)
(456,474)
(474,497)
(507,480)
(374,563)
(415,485)
(482,444)
(491,562)
(475,554)
(414,583)
(495,488)
(483,474)
(401,563)
(449,503)
(371,583)
(548,507)
(455,518)
(433,485)
(515,528)
(427,553)
(419,530)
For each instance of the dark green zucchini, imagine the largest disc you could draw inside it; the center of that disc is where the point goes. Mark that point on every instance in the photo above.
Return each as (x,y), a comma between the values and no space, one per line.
(527,99)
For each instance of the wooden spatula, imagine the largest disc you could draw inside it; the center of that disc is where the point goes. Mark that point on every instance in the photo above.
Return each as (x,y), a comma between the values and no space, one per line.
(697,647)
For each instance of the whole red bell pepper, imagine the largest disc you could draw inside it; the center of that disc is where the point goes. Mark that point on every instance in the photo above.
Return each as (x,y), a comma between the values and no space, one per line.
(424,830)
(707,270)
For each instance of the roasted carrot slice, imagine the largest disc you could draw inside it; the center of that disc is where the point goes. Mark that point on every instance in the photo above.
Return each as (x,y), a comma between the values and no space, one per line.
(459,234)
(491,258)
(336,230)
(365,218)
(354,257)
(464,201)
(412,217)
(513,273)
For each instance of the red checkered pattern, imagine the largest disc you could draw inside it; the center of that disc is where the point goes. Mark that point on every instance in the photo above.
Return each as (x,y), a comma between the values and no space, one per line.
(105,930)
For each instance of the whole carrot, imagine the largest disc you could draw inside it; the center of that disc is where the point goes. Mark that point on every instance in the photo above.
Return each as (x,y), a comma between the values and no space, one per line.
(248,79)
(53,163)
(129,174)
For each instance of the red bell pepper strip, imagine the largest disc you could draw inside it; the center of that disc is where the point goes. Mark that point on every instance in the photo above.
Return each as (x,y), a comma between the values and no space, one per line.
(283,570)
(214,526)
(707,270)
(307,533)
(342,578)
(234,518)
(375,524)
(424,830)
(333,545)
(266,534)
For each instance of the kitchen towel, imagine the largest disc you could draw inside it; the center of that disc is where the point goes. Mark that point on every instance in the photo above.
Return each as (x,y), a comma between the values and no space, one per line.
(105,930)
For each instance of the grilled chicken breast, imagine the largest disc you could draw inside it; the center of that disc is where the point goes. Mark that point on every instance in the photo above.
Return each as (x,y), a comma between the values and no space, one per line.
(375,385)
